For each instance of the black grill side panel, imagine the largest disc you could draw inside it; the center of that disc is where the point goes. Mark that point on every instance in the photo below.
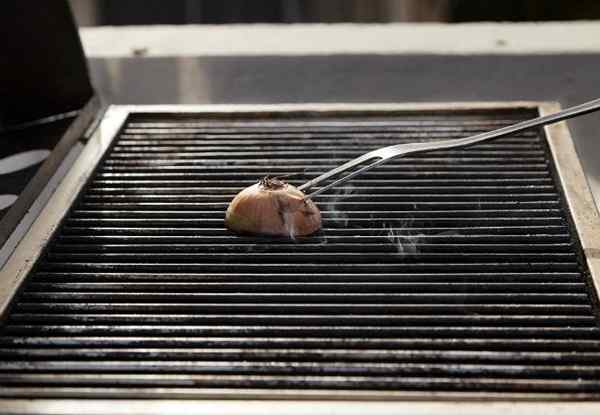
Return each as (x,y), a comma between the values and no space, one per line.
(451,272)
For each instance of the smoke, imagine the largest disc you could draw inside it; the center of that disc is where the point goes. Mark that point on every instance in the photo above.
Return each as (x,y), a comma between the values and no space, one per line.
(401,238)
(289,224)
(407,242)
(337,215)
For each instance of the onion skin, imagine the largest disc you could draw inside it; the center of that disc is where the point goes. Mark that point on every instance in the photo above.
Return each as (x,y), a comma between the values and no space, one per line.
(272,207)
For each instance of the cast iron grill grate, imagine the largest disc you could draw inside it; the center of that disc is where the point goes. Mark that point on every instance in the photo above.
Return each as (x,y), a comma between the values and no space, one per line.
(451,272)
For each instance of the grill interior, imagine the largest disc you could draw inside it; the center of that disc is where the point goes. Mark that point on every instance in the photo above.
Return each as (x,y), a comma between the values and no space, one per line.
(451,272)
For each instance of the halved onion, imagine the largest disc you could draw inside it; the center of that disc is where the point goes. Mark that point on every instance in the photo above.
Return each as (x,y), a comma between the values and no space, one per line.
(272,207)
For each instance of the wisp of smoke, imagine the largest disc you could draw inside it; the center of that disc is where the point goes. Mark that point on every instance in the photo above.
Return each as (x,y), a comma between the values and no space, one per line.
(288,220)
(337,215)
(407,242)
(404,242)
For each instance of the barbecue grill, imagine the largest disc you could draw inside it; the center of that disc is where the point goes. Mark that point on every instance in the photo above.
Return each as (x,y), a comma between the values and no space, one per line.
(466,274)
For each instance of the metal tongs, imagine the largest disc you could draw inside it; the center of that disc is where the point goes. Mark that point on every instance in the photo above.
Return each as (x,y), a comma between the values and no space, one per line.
(382,155)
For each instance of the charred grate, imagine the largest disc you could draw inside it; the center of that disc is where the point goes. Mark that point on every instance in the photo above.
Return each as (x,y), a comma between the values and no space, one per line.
(452,272)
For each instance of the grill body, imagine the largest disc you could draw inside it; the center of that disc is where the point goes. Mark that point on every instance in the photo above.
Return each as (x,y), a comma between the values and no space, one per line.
(454,273)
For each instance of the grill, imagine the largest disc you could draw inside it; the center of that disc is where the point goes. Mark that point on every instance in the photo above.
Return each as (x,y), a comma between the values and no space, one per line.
(454,273)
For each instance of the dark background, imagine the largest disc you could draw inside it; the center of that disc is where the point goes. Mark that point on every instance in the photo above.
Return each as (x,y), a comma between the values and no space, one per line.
(144,12)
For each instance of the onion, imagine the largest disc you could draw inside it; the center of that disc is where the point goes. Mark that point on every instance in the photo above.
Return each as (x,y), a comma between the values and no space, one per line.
(272,207)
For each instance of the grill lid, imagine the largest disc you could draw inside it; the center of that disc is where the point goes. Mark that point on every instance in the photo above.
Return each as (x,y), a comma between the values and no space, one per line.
(454,272)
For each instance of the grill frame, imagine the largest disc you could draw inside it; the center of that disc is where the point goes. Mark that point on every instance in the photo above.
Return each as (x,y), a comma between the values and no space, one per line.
(568,173)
